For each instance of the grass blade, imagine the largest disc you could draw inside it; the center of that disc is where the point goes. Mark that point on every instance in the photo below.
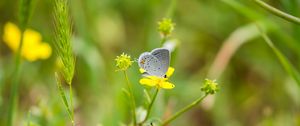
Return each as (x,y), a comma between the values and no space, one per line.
(283,60)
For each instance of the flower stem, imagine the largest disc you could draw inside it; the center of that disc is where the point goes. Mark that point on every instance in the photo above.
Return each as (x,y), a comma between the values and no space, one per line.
(277,12)
(64,98)
(150,105)
(163,40)
(171,9)
(183,110)
(131,98)
(71,105)
(29,118)
(15,83)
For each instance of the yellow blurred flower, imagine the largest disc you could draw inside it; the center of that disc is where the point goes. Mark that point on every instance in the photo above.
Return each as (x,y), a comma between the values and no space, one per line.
(158,81)
(32,49)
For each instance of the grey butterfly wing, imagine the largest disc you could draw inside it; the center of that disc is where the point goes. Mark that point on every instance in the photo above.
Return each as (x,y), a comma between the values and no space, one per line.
(143,57)
(150,64)
(163,55)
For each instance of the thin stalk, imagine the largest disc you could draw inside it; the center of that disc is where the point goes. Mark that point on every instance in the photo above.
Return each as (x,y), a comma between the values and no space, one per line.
(15,83)
(150,105)
(71,104)
(171,9)
(147,96)
(183,110)
(64,98)
(282,59)
(163,40)
(277,12)
(131,98)
(29,118)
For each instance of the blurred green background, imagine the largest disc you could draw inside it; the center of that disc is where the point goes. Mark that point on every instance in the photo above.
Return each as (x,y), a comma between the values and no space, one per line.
(255,90)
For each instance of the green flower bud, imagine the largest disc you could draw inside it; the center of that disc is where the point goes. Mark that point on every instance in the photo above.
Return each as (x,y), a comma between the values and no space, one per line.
(123,62)
(165,27)
(210,86)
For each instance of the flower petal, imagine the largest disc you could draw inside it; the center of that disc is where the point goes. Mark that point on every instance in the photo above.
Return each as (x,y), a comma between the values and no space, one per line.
(142,70)
(154,78)
(31,38)
(30,53)
(167,85)
(170,72)
(44,50)
(148,82)
(12,36)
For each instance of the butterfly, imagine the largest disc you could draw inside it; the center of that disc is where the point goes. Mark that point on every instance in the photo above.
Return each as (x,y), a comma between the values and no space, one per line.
(156,62)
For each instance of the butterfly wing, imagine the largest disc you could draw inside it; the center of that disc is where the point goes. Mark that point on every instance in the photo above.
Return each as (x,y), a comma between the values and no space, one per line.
(150,64)
(163,55)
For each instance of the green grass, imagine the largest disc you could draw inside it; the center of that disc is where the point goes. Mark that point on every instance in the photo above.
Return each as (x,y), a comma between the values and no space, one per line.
(250,47)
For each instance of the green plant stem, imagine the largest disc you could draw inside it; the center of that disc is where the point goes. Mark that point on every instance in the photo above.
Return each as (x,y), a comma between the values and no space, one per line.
(171,9)
(71,104)
(183,110)
(282,59)
(131,98)
(29,118)
(15,83)
(277,12)
(150,105)
(64,98)
(163,40)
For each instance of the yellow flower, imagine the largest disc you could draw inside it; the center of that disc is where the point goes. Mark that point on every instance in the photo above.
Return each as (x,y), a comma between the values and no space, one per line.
(32,49)
(158,81)
(123,62)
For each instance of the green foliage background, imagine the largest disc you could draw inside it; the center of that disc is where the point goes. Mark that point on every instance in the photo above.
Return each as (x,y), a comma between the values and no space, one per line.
(255,89)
